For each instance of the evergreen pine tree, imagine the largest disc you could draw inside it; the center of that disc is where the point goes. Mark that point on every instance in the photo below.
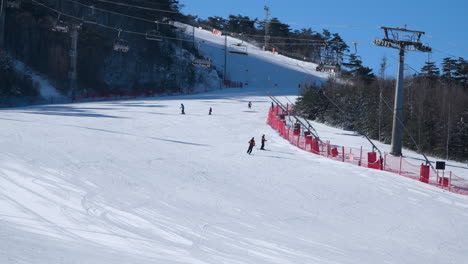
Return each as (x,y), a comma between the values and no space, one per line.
(430,70)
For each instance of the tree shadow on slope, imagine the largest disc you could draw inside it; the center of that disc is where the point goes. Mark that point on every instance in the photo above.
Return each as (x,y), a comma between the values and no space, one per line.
(72,110)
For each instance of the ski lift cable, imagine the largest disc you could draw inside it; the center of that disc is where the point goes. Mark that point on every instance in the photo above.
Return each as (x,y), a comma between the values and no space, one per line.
(106,26)
(152,3)
(240,19)
(289,23)
(278,102)
(406,64)
(139,7)
(281,105)
(298,23)
(428,162)
(152,21)
(344,114)
(449,42)
(446,53)
(117,13)
(305,119)
(304,39)
(260,36)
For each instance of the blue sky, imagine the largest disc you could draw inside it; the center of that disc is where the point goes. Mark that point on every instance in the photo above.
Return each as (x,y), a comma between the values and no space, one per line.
(445,23)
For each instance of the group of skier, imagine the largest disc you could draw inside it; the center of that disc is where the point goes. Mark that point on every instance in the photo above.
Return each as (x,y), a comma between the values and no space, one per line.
(251,142)
(182,108)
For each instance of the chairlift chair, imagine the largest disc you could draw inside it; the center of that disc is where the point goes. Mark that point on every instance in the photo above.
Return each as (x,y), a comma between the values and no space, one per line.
(202,62)
(91,18)
(60,26)
(328,67)
(120,44)
(153,35)
(13,3)
(238,49)
(349,64)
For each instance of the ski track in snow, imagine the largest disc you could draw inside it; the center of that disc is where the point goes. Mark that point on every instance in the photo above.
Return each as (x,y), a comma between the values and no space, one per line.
(136,182)
(170,188)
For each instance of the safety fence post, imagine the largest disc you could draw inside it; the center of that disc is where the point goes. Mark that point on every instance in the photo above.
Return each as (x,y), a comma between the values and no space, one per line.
(343,154)
(450,180)
(360,157)
(399,170)
(384,161)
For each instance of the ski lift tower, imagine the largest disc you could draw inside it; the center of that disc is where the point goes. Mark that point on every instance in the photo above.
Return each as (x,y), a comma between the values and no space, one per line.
(72,74)
(267,27)
(2,23)
(402,39)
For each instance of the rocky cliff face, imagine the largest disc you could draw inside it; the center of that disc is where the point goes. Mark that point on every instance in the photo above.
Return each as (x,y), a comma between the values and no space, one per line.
(163,66)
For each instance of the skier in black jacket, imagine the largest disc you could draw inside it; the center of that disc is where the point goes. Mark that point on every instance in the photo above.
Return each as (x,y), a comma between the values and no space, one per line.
(263,143)
(182,107)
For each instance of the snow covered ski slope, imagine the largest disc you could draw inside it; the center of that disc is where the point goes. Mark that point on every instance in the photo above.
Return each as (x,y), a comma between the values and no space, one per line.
(137,182)
(260,69)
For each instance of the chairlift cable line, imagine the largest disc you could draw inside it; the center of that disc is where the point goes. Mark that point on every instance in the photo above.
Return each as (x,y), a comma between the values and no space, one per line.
(139,7)
(240,19)
(226,32)
(409,134)
(281,105)
(151,21)
(449,42)
(344,113)
(117,13)
(152,3)
(305,119)
(106,26)
(260,21)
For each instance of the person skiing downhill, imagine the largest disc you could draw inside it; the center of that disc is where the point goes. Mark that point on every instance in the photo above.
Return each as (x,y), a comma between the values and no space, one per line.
(182,108)
(263,143)
(251,145)
(250,105)
(209,112)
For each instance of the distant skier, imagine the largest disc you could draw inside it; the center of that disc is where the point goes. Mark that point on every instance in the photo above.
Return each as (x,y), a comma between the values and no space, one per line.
(250,105)
(209,112)
(182,107)
(263,143)
(251,145)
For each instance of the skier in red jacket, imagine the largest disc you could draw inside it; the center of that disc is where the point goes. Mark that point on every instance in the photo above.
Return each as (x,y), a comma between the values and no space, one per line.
(251,145)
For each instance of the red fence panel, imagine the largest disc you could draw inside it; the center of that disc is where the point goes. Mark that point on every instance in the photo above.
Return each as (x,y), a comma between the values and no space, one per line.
(399,165)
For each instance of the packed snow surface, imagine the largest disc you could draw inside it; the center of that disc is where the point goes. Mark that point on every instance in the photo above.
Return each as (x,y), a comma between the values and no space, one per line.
(137,182)
(259,68)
